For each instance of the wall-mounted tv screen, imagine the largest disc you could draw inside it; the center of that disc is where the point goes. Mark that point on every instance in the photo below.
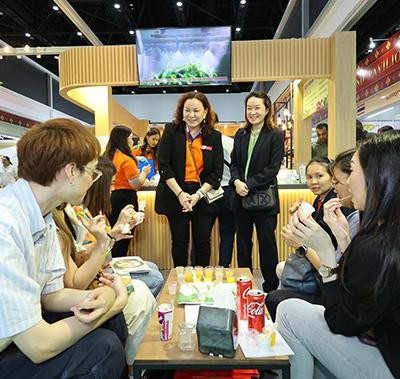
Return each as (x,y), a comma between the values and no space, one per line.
(184,56)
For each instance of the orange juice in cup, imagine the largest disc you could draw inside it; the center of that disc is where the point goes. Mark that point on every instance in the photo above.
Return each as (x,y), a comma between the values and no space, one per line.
(188,274)
(208,274)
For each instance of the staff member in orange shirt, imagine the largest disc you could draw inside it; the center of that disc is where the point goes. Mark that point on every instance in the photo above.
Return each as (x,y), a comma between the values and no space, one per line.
(190,159)
(149,147)
(127,179)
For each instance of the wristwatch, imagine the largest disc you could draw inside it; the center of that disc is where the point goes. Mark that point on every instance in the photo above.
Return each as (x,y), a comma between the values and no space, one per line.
(326,271)
(302,250)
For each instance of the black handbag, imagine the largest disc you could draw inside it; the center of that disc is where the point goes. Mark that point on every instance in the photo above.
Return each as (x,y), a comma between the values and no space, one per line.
(300,275)
(260,200)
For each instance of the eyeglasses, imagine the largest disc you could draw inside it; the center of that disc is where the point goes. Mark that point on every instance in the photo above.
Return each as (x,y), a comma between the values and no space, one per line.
(94,172)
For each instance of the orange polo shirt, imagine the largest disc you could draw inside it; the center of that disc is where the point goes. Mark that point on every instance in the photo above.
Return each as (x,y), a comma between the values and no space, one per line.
(127,169)
(190,170)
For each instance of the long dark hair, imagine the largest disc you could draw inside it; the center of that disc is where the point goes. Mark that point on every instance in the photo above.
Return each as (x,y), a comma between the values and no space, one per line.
(146,146)
(323,161)
(208,125)
(380,161)
(118,137)
(97,197)
(268,122)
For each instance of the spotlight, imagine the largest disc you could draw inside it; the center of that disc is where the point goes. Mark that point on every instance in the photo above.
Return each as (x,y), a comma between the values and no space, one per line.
(372,44)
(131,32)
(79,34)
(38,56)
(56,57)
(243,2)
(27,35)
(179,3)
(55,8)
(117,6)
(238,29)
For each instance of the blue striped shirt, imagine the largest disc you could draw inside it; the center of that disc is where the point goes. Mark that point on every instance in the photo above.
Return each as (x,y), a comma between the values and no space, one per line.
(31,260)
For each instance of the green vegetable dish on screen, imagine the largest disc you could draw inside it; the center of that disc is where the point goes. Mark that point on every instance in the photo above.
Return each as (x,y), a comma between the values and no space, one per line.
(185,74)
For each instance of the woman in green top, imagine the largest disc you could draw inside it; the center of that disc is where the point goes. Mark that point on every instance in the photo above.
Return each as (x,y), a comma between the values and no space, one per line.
(256,158)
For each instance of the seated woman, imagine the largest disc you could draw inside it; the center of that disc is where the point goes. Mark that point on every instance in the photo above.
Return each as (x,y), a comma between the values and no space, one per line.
(97,201)
(356,333)
(320,176)
(141,303)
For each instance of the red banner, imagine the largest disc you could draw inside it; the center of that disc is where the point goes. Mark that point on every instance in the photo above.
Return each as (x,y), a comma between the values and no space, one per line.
(380,69)
(17,120)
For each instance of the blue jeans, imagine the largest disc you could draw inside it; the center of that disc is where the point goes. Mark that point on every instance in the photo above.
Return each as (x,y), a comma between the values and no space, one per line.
(319,353)
(153,279)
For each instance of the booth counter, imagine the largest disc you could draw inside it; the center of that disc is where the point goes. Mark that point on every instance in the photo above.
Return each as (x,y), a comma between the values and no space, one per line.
(152,239)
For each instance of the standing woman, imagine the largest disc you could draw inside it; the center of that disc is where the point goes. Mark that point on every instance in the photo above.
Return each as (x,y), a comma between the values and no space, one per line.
(149,147)
(190,159)
(256,158)
(127,179)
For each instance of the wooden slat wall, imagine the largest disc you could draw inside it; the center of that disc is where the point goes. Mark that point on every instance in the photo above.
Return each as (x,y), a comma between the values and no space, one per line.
(251,61)
(152,239)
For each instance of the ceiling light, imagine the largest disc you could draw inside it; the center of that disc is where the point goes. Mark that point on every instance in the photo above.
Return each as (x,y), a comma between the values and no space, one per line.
(131,5)
(227,90)
(179,3)
(238,29)
(132,92)
(131,32)
(55,8)
(19,57)
(369,50)
(164,91)
(7,49)
(79,34)
(56,57)
(27,35)
(372,44)
(38,56)
(117,6)
(27,48)
(243,2)
(1,13)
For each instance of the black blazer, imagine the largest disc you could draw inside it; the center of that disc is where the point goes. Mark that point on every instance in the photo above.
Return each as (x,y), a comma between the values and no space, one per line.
(172,160)
(265,162)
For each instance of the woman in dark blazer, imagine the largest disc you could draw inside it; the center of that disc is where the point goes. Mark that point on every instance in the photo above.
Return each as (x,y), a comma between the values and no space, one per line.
(190,159)
(257,154)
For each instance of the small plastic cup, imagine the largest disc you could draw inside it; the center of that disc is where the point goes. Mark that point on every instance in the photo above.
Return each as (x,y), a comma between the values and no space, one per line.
(198,270)
(219,276)
(181,278)
(188,273)
(172,288)
(208,274)
(179,270)
(228,273)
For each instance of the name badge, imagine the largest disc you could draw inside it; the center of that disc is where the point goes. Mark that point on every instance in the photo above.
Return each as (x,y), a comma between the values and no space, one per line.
(205,147)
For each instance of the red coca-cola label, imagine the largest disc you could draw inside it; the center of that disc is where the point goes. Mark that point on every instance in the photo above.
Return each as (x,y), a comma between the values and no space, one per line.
(255,310)
(244,284)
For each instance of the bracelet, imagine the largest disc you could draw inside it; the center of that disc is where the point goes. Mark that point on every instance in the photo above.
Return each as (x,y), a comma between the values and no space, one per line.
(112,242)
(200,193)
(179,194)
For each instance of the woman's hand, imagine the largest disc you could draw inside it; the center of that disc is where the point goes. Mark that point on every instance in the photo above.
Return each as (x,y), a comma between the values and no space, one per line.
(311,234)
(194,199)
(186,201)
(337,222)
(146,169)
(115,282)
(96,303)
(290,238)
(295,206)
(241,188)
(97,227)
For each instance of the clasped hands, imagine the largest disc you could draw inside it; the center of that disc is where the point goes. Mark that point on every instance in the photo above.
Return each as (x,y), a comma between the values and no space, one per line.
(188,201)
(112,295)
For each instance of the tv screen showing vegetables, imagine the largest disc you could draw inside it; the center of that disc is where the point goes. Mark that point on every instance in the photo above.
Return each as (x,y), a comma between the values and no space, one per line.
(184,56)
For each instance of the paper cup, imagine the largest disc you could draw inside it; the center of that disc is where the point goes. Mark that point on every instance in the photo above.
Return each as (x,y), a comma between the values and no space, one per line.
(307,209)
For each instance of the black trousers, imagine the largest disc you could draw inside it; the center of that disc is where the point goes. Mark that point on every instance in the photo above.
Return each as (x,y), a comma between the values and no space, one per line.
(201,222)
(265,226)
(119,200)
(98,355)
(226,229)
